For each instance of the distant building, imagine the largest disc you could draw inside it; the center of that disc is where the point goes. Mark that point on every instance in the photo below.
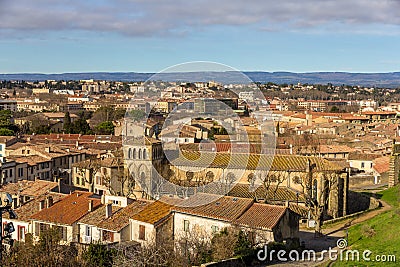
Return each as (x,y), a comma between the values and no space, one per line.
(8,105)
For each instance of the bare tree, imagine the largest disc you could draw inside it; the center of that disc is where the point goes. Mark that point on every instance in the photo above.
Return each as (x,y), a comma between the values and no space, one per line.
(87,170)
(318,199)
(307,144)
(123,177)
(270,182)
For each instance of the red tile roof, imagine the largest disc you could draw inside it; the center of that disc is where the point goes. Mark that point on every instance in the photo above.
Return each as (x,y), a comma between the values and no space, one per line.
(381,165)
(68,210)
(29,188)
(32,206)
(262,216)
(226,208)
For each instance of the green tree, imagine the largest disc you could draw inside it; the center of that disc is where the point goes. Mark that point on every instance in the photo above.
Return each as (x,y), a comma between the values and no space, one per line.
(243,246)
(335,109)
(6,124)
(6,132)
(106,127)
(80,126)
(67,123)
(97,255)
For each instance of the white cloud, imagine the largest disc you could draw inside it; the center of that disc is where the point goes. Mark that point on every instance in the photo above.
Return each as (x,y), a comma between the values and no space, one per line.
(159,17)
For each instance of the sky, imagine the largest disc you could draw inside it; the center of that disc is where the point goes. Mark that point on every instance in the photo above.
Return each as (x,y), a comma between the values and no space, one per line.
(48,36)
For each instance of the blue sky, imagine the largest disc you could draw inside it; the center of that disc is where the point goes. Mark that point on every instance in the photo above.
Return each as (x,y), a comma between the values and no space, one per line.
(50,36)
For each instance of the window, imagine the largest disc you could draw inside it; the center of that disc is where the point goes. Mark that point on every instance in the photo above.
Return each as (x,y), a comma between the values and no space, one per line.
(87,231)
(371,165)
(63,232)
(186,225)
(40,228)
(362,165)
(21,232)
(142,232)
(214,229)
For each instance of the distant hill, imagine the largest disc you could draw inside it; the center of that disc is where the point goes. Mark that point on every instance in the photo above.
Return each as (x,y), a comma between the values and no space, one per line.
(390,79)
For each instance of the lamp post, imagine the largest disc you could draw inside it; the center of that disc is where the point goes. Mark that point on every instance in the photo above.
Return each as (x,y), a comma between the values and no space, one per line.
(5,206)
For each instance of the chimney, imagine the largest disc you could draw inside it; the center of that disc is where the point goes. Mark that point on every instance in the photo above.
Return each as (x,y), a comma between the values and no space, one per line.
(49,200)
(77,144)
(90,205)
(103,199)
(108,210)
(47,149)
(41,204)
(287,203)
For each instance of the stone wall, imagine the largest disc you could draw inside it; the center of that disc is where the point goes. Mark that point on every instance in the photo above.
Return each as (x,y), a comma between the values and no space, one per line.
(359,202)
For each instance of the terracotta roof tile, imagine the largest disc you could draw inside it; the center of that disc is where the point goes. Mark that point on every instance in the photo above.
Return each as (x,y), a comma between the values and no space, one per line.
(253,161)
(281,194)
(262,216)
(382,164)
(31,207)
(226,208)
(120,219)
(153,213)
(29,188)
(68,210)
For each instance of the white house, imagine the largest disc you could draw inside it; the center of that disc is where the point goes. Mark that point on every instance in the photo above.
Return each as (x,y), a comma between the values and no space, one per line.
(110,222)
(152,223)
(64,215)
(23,224)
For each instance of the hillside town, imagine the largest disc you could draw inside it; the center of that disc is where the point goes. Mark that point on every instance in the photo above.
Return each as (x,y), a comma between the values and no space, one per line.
(97,161)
